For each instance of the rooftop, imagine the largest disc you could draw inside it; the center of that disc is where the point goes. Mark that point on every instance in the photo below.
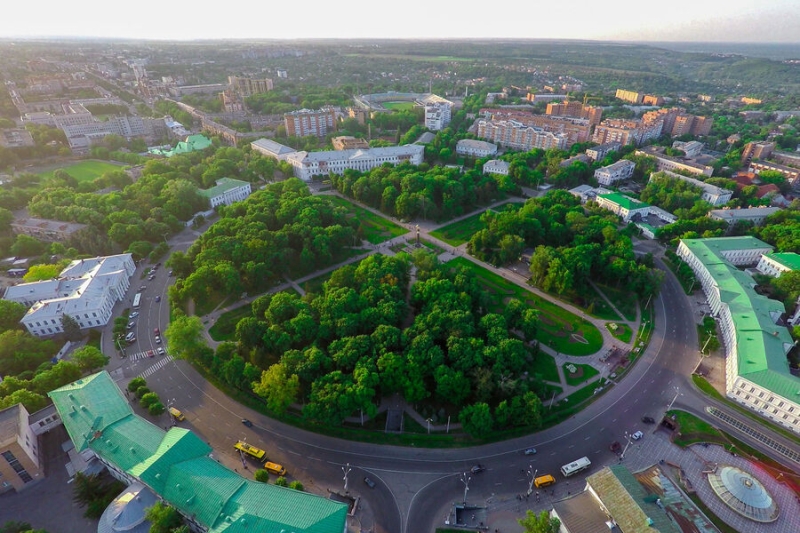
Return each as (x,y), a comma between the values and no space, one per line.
(223,185)
(626,202)
(790,260)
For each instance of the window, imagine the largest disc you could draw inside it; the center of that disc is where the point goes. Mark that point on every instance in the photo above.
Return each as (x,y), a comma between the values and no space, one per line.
(18,468)
(760,394)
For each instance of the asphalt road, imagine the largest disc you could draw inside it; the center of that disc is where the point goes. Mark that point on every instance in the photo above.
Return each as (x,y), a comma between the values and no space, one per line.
(415,486)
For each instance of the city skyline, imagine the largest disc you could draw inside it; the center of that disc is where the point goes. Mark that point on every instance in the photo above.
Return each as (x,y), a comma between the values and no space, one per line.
(679,21)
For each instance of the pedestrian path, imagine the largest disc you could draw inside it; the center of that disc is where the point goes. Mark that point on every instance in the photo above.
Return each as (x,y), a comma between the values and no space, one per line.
(156,367)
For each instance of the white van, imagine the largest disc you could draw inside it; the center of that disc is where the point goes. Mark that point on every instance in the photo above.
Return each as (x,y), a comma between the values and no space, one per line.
(130,337)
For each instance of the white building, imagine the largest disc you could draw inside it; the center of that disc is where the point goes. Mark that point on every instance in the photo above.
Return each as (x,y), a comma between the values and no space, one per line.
(496,166)
(618,171)
(309,164)
(757,373)
(756,215)
(473,148)
(516,135)
(690,148)
(712,194)
(227,191)
(86,290)
(596,153)
(775,264)
(624,206)
(437,115)
(272,149)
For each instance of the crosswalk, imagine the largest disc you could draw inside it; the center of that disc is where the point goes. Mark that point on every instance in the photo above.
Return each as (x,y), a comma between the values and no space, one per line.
(153,369)
(140,355)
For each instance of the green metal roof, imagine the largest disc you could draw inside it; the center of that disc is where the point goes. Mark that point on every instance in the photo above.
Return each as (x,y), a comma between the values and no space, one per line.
(623,201)
(790,260)
(177,466)
(223,184)
(761,345)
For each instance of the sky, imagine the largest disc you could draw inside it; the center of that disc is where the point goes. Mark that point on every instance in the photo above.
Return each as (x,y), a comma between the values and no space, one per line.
(767,21)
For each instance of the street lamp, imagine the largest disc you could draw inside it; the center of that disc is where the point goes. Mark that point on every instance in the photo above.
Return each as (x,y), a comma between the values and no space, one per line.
(346,469)
(677,391)
(628,443)
(533,477)
(465,480)
(429,425)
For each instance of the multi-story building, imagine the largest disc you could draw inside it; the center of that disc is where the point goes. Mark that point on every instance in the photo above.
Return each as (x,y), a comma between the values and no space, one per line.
(618,171)
(756,150)
(757,373)
(791,174)
(513,134)
(86,290)
(690,148)
(46,230)
(437,115)
(226,192)
(712,194)
(15,138)
(756,215)
(775,264)
(309,164)
(629,96)
(626,131)
(245,87)
(272,149)
(787,158)
(576,109)
(577,130)
(651,99)
(474,148)
(536,98)
(346,142)
(669,163)
(307,122)
(748,100)
(20,466)
(622,205)
(496,166)
(177,466)
(597,153)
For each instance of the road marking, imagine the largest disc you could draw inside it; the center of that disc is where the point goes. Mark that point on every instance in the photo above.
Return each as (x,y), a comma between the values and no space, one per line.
(587,438)
(153,369)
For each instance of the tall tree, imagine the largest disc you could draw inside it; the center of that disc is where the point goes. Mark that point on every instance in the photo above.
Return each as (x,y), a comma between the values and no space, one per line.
(541,523)
(72,330)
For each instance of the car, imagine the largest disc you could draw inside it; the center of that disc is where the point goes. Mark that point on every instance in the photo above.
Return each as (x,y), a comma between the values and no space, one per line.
(133,315)
(156,331)
(638,435)
(615,447)
(150,278)
(247,423)
(530,451)
(131,324)
(477,469)
(369,483)
(160,351)
(157,264)
(169,273)
(648,420)
(158,339)
(158,298)
(151,353)
(143,287)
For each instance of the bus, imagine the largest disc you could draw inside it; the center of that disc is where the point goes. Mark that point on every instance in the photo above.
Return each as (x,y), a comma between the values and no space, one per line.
(252,451)
(576,466)
(274,468)
(137,300)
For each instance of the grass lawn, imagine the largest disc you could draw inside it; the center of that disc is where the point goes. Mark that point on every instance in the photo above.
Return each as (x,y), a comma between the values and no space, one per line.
(558,328)
(584,373)
(377,229)
(224,329)
(623,331)
(460,232)
(624,301)
(692,430)
(597,306)
(399,106)
(544,367)
(85,170)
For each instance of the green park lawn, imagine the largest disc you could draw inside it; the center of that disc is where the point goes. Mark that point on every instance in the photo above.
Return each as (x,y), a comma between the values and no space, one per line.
(376,229)
(399,106)
(224,329)
(458,233)
(623,331)
(558,328)
(85,170)
(582,374)
(624,301)
(544,367)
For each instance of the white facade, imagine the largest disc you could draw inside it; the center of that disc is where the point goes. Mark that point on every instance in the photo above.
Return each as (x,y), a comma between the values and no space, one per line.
(86,290)
(227,191)
(516,135)
(621,170)
(309,164)
(623,206)
(473,148)
(756,215)
(712,194)
(496,166)
(596,153)
(272,149)
(437,115)
(776,264)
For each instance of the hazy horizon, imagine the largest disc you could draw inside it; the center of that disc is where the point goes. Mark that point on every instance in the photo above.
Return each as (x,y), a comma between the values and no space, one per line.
(714,21)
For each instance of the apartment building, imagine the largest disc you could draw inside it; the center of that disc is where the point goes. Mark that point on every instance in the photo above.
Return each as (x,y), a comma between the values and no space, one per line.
(86,290)
(227,191)
(651,99)
(437,115)
(747,100)
(618,171)
(518,136)
(626,131)
(475,148)
(597,153)
(757,373)
(791,174)
(307,122)
(775,264)
(678,122)
(20,466)
(309,164)
(577,130)
(245,87)
(690,148)
(668,163)
(633,97)
(576,109)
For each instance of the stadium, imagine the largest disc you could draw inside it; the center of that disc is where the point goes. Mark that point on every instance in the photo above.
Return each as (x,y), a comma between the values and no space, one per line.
(382,102)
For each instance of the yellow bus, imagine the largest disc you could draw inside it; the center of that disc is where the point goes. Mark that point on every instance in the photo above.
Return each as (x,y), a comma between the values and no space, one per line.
(252,451)
(274,468)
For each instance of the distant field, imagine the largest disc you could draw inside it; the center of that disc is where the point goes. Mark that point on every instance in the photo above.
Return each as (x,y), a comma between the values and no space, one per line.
(84,170)
(399,106)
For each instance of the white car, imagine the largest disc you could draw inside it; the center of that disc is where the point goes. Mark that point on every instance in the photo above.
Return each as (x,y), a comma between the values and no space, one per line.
(160,350)
(133,315)
(638,435)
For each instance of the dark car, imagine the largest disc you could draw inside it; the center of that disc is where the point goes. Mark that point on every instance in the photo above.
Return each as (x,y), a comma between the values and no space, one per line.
(648,420)
(530,451)
(477,469)
(369,482)
(247,423)
(158,298)
(615,447)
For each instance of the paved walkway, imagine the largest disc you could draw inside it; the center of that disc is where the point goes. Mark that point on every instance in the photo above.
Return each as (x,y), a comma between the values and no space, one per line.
(504,512)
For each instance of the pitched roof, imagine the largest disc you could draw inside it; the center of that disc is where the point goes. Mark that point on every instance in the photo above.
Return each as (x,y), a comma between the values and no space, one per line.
(623,201)
(788,259)
(176,465)
(223,185)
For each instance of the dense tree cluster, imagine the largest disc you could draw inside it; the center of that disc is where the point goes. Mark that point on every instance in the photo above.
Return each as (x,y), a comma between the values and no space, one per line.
(782,229)
(675,195)
(409,191)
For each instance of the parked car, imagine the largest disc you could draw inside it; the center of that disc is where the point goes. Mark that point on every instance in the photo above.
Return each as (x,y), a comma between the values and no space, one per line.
(638,435)
(131,324)
(369,482)
(530,451)
(143,287)
(151,278)
(133,315)
(615,447)
(247,423)
(160,351)
(170,273)
(158,298)
(648,420)
(477,469)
